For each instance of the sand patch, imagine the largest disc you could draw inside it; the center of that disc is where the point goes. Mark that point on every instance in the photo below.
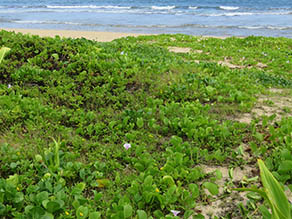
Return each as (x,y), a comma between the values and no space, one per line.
(183,50)
(223,204)
(91,35)
(261,65)
(179,49)
(268,105)
(227,63)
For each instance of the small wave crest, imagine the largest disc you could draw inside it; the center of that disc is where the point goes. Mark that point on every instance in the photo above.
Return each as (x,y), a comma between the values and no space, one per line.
(86,6)
(229,8)
(162,7)
(44,22)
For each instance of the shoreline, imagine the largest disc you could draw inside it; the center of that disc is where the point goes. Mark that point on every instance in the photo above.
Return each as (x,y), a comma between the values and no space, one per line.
(90,35)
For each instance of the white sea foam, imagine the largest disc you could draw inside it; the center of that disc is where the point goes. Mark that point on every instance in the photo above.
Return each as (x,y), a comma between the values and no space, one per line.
(232,14)
(228,8)
(45,22)
(251,27)
(279,28)
(162,7)
(193,8)
(227,14)
(87,6)
(266,27)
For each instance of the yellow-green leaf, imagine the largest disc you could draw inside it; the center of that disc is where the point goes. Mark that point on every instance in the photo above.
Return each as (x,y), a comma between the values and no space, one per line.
(275,193)
(3,51)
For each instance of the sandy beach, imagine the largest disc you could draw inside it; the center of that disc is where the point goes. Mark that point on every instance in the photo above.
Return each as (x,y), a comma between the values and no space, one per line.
(91,35)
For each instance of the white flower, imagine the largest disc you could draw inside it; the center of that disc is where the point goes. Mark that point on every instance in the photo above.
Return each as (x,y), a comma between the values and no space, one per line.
(122,53)
(175,213)
(127,146)
(9,86)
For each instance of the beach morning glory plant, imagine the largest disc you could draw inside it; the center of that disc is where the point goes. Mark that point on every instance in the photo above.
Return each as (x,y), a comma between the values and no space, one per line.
(175,212)
(127,146)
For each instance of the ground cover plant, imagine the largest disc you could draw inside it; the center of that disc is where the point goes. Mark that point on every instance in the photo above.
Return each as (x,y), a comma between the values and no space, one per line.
(126,129)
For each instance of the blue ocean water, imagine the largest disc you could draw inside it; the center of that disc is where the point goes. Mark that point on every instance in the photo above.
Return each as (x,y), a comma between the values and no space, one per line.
(197,17)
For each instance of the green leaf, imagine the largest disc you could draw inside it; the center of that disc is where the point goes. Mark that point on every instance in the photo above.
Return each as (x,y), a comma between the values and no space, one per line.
(285,166)
(280,204)
(94,215)
(77,190)
(12,180)
(212,188)
(168,180)
(52,206)
(82,212)
(102,183)
(47,216)
(265,212)
(158,214)
(97,196)
(2,209)
(3,51)
(148,180)
(194,188)
(18,197)
(140,122)
(141,214)
(36,212)
(128,210)
(42,196)
(55,56)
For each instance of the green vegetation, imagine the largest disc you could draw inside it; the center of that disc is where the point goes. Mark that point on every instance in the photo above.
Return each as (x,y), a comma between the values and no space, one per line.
(125,129)
(273,194)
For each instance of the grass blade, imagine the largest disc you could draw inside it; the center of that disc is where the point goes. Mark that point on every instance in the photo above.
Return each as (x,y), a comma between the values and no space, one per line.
(275,193)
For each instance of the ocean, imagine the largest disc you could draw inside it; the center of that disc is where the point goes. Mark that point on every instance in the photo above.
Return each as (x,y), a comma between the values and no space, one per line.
(196,17)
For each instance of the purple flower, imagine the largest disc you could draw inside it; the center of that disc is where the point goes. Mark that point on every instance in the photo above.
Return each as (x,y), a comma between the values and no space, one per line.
(127,146)
(175,213)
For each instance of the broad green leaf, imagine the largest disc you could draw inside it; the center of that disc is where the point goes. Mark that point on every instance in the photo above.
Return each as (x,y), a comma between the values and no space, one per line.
(47,216)
(141,214)
(148,180)
(82,212)
(3,51)
(140,122)
(42,196)
(265,212)
(212,188)
(285,166)
(52,206)
(37,212)
(18,197)
(280,204)
(158,214)
(102,183)
(128,210)
(77,190)
(94,215)
(97,196)
(168,180)
(12,180)
(194,188)
(2,209)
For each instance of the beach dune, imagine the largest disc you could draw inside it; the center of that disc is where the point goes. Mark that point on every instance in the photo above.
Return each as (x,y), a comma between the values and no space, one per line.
(91,35)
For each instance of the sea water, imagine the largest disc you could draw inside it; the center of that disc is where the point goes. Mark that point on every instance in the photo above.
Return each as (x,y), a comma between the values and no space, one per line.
(196,17)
